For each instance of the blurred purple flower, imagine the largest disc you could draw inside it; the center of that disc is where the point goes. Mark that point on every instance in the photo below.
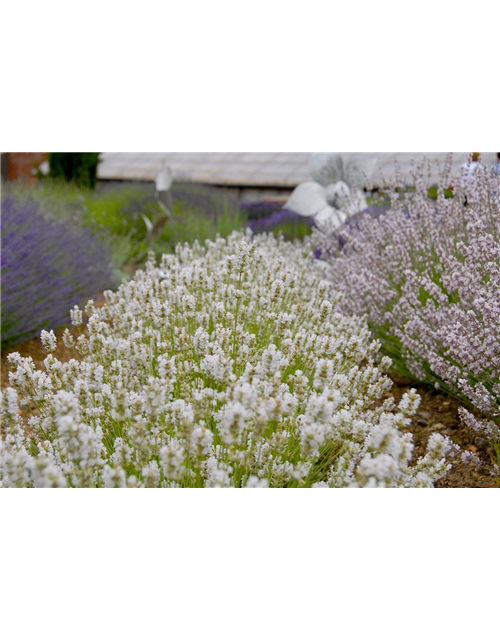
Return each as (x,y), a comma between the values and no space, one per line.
(260,210)
(47,267)
(278,219)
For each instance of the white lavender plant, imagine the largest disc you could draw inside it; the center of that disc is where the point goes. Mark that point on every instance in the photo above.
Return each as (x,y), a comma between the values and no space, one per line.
(426,274)
(224,366)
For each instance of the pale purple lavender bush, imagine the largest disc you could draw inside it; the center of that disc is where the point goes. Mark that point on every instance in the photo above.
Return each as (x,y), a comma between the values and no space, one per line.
(47,267)
(427,275)
(329,242)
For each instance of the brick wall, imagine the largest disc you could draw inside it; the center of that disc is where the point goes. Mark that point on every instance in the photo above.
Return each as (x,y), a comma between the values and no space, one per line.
(19,166)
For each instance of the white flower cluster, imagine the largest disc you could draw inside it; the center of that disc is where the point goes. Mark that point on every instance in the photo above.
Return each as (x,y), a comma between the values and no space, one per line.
(224,366)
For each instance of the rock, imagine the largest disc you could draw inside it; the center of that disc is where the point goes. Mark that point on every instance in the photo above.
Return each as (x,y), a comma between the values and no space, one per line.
(340,196)
(329,198)
(337,194)
(423,422)
(307,199)
(424,414)
(439,426)
(358,170)
(334,217)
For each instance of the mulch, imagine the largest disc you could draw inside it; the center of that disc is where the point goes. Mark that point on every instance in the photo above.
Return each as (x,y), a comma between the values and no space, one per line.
(437,413)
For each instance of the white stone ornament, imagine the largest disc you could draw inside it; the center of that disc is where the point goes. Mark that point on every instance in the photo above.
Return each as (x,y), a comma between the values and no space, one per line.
(357,171)
(357,202)
(337,194)
(163,180)
(326,168)
(329,199)
(307,199)
(340,196)
(163,183)
(331,215)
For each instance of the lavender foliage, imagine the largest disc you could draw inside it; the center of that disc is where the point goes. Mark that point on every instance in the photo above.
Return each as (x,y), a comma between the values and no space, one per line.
(330,241)
(290,223)
(427,276)
(47,267)
(261,210)
(202,198)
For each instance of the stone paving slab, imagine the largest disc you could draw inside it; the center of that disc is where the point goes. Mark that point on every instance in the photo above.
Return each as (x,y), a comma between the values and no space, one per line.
(247,169)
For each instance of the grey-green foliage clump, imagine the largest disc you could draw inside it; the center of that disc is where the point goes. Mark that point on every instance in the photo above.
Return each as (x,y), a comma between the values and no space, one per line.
(200,213)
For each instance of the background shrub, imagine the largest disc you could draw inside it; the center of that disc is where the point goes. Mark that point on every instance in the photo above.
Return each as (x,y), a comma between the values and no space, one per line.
(261,210)
(129,214)
(80,168)
(47,267)
(200,213)
(204,199)
(283,221)
(124,212)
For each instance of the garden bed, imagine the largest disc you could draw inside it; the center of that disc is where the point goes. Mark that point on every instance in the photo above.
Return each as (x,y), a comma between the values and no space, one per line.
(437,413)
(243,361)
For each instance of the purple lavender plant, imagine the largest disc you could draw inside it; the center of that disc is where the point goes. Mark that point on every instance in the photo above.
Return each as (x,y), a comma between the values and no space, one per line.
(290,223)
(211,201)
(330,242)
(261,210)
(427,275)
(47,267)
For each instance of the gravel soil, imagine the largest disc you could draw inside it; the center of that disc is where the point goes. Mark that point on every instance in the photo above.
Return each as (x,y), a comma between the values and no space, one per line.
(439,413)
